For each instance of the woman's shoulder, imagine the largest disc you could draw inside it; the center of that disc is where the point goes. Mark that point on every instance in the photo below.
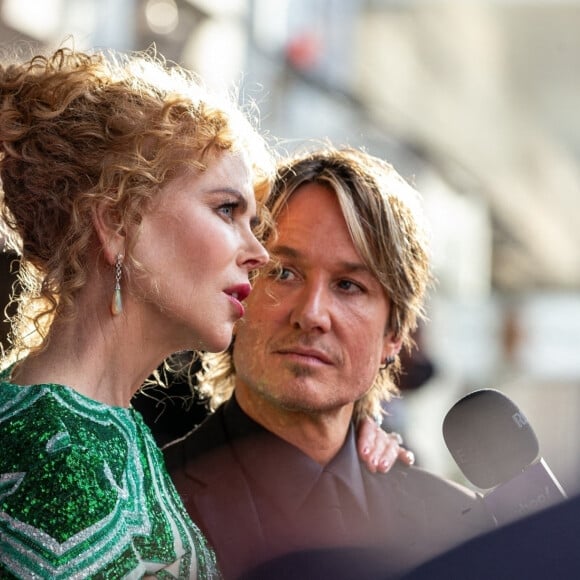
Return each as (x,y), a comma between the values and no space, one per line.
(77,487)
(57,459)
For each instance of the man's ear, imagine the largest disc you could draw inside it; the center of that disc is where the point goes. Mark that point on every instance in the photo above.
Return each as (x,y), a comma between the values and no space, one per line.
(391,345)
(110,230)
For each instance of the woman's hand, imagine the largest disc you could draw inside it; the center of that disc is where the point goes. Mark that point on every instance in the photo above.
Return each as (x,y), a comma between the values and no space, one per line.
(378,449)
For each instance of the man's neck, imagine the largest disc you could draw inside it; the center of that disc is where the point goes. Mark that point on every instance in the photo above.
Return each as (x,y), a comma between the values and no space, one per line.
(320,435)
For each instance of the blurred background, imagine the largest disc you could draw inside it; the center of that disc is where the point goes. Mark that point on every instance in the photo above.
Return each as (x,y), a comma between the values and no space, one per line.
(475,103)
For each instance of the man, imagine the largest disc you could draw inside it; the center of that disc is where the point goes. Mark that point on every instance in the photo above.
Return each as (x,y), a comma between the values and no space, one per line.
(274,473)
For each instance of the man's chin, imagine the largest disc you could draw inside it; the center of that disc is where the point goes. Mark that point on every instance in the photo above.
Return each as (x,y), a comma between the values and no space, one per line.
(312,405)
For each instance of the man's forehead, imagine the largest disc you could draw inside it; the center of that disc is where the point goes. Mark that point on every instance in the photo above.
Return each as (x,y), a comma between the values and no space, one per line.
(312,225)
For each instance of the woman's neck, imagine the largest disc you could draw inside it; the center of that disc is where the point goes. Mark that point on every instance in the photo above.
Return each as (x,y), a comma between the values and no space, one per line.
(105,362)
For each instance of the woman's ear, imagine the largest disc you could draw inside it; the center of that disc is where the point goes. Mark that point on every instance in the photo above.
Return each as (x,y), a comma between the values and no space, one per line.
(110,230)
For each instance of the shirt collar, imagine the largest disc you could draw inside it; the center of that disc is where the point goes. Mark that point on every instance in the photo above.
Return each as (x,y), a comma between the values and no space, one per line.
(279,469)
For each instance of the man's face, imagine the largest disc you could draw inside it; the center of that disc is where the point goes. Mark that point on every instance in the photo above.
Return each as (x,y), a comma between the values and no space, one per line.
(314,335)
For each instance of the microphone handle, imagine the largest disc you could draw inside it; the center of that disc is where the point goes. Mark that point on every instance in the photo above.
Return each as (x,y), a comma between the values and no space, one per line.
(532,490)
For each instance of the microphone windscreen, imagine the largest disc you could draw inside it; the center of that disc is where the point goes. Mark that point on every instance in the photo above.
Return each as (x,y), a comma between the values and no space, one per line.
(489,438)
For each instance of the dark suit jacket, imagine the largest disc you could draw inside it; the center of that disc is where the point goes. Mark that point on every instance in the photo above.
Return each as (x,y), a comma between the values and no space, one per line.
(542,546)
(412,514)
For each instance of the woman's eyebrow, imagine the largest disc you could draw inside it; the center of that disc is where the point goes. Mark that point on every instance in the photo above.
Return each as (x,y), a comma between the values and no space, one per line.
(242,199)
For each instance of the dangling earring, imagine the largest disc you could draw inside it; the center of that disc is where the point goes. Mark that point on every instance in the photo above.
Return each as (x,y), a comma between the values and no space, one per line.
(117,303)
(387,363)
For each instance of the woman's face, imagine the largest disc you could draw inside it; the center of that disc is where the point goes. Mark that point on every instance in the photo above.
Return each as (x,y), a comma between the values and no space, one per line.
(197,248)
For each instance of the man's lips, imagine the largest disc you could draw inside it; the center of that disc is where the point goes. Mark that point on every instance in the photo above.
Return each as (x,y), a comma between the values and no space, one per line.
(301,353)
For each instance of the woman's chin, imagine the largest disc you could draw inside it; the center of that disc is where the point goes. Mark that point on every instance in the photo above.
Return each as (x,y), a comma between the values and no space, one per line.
(215,343)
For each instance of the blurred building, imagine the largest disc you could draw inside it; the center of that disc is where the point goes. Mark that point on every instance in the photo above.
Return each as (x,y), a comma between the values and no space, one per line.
(473,102)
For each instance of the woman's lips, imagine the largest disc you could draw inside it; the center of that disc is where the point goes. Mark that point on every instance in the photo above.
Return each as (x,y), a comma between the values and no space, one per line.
(236,294)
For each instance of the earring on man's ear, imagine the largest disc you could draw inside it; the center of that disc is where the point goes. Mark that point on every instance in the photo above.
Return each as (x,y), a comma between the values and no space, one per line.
(117,303)
(387,362)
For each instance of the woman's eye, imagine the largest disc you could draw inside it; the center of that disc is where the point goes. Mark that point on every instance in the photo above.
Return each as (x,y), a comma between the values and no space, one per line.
(227,209)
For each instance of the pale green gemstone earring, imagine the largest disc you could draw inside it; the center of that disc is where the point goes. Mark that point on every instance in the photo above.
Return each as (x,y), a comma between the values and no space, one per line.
(117,303)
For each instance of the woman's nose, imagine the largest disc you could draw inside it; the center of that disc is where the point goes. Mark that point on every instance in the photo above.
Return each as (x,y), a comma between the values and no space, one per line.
(257,256)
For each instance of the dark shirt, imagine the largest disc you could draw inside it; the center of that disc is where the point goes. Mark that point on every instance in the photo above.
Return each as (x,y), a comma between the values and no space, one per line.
(257,498)
(291,498)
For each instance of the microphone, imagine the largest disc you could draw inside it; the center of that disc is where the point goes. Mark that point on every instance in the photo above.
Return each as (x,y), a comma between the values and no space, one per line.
(496,448)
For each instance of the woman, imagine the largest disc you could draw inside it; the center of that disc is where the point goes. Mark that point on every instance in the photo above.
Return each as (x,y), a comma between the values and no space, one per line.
(130,194)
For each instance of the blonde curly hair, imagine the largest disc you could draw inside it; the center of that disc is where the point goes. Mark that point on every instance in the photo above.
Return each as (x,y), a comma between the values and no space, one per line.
(77,129)
(384,217)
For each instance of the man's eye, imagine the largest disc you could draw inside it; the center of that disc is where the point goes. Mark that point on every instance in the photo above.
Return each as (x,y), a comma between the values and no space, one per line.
(349,286)
(280,273)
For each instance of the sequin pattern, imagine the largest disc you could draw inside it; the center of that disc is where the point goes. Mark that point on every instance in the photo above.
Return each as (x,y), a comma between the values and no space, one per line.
(84,493)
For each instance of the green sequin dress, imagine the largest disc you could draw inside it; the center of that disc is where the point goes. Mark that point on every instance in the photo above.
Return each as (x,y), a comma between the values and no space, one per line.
(84,493)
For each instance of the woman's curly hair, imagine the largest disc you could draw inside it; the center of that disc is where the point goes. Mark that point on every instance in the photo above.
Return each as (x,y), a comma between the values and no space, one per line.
(77,129)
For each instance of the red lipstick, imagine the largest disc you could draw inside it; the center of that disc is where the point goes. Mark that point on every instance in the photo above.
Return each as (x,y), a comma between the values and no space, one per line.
(237,294)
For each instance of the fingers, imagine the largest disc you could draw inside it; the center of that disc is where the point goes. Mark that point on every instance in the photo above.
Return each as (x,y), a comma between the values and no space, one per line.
(386,457)
(406,456)
(380,450)
(374,447)
(392,452)
(366,439)
(396,436)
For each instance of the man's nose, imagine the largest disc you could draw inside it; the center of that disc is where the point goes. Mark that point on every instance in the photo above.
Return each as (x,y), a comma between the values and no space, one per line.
(312,309)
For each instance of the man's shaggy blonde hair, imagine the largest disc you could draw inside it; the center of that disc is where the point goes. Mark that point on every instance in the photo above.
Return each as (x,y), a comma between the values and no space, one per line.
(384,217)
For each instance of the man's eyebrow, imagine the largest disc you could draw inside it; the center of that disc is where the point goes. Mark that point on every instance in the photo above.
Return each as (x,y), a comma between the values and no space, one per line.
(282,251)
